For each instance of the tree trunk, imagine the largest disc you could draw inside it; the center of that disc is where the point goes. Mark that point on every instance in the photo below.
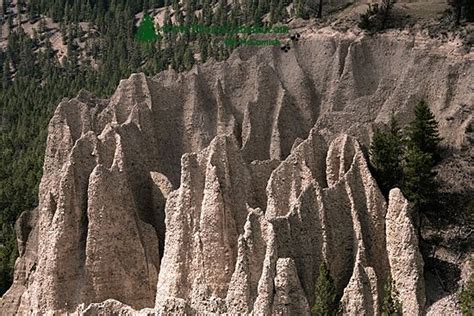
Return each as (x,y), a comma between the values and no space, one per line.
(458,11)
(320,9)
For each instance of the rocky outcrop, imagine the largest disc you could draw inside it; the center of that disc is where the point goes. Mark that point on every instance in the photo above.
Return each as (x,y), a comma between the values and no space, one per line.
(361,296)
(258,265)
(289,297)
(204,219)
(406,263)
(27,241)
(222,190)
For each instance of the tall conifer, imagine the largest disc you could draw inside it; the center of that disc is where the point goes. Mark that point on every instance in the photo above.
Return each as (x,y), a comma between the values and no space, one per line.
(325,303)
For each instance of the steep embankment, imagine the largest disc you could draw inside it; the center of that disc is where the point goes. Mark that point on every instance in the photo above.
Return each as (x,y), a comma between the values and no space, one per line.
(218,157)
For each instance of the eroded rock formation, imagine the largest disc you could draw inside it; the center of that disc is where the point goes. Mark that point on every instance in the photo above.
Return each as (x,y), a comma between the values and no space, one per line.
(222,190)
(406,263)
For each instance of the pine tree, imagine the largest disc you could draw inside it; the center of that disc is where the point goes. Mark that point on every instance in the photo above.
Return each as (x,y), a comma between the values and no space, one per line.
(419,185)
(4,7)
(423,132)
(386,155)
(320,9)
(146,6)
(67,15)
(188,59)
(298,8)
(179,15)
(325,303)
(204,47)
(6,74)
(175,5)
(457,4)
(258,13)
(146,31)
(466,297)
(282,12)
(421,155)
(8,254)
(391,306)
(207,12)
(274,17)
(10,22)
(190,7)
(42,26)
(469,11)
(236,15)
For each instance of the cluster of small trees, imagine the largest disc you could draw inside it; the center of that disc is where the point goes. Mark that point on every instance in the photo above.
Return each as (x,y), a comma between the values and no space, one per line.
(462,9)
(308,8)
(326,300)
(376,17)
(406,160)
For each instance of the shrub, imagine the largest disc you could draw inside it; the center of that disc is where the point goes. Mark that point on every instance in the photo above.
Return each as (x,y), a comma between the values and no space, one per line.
(376,17)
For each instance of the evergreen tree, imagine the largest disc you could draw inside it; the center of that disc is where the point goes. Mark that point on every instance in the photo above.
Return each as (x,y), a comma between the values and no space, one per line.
(8,254)
(419,185)
(391,306)
(4,7)
(146,30)
(236,15)
(282,11)
(179,15)
(190,7)
(207,12)
(188,59)
(274,14)
(462,9)
(298,8)
(325,303)
(146,6)
(67,15)
(42,26)
(423,132)
(421,155)
(221,13)
(466,297)
(377,16)
(257,18)
(386,156)
(6,74)
(320,9)
(10,22)
(175,5)
(204,48)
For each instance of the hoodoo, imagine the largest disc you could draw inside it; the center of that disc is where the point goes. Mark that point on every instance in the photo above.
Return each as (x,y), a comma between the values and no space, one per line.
(223,189)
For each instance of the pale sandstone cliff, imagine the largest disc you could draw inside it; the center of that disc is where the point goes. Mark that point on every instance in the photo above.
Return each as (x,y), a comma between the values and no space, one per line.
(255,168)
